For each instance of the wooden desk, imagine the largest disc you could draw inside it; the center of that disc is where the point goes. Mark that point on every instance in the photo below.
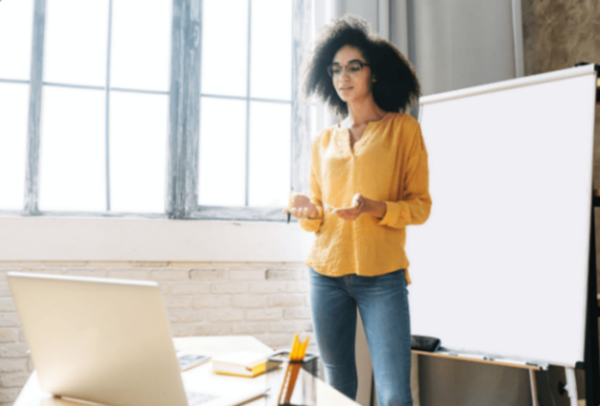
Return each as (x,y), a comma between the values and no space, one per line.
(32,394)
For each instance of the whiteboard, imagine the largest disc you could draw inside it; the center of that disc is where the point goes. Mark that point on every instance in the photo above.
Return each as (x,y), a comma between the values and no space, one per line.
(501,265)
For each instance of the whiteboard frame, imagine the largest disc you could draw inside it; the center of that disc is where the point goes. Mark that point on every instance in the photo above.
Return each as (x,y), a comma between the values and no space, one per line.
(489,88)
(508,84)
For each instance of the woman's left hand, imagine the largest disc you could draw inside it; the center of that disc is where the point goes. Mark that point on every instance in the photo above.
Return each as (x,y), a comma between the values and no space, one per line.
(361,204)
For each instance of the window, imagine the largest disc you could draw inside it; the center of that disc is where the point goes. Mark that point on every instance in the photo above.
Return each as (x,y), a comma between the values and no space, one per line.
(184,110)
(15,23)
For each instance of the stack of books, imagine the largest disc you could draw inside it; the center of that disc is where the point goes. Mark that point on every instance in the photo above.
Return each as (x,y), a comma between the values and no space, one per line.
(242,363)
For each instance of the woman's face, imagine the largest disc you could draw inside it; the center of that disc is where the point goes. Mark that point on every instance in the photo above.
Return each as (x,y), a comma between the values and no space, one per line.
(349,79)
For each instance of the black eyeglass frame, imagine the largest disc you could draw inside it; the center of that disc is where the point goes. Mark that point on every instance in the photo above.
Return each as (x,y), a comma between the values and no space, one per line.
(361,63)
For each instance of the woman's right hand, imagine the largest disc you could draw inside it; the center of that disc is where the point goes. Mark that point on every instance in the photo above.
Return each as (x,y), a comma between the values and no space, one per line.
(302,207)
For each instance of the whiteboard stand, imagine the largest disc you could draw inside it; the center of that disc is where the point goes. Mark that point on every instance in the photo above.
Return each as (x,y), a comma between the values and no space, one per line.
(474,357)
(592,353)
(534,391)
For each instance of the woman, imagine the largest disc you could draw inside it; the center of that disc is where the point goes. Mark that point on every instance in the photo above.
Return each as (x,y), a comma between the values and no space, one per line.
(368,181)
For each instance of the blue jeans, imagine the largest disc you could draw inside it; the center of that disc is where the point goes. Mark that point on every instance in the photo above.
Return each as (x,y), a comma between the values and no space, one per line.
(383,305)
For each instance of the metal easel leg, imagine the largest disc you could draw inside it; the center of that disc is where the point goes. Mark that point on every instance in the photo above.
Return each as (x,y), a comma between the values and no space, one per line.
(534,391)
(571,386)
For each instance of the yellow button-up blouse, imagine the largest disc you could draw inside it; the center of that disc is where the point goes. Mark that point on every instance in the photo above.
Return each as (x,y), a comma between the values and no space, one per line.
(389,164)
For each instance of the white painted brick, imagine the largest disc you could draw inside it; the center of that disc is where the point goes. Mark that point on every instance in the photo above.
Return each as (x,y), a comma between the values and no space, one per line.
(247,275)
(263,314)
(9,394)
(94,273)
(64,264)
(265,265)
(21,264)
(283,274)
(7,305)
(248,301)
(4,290)
(229,265)
(185,316)
(14,379)
(44,271)
(208,274)
(181,330)
(280,341)
(165,288)
(284,327)
(234,288)
(21,335)
(13,350)
(216,329)
(190,288)
(250,328)
(189,264)
(211,302)
(224,315)
(290,327)
(297,313)
(285,300)
(108,264)
(3,274)
(294,265)
(180,302)
(13,364)
(9,320)
(297,287)
(140,274)
(267,287)
(149,264)
(169,274)
(30,367)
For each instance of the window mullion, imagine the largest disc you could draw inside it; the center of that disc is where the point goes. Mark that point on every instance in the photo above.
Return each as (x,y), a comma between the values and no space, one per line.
(176,109)
(107,106)
(35,107)
(191,134)
(301,35)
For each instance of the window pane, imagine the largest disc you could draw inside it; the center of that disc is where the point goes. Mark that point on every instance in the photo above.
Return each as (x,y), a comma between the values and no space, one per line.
(270,129)
(138,151)
(72,150)
(16,20)
(224,47)
(271,49)
(141,44)
(222,165)
(14,103)
(75,42)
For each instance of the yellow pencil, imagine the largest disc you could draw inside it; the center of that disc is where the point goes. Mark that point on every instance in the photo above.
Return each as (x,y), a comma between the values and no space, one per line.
(304,347)
(285,387)
(298,356)
(294,346)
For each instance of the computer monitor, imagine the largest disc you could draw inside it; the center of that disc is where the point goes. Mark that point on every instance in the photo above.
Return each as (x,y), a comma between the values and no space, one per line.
(101,340)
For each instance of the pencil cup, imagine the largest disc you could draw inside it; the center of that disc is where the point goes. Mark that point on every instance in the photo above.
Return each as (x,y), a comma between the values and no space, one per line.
(294,383)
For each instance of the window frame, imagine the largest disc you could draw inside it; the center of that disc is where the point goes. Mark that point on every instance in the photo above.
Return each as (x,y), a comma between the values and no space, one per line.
(181,200)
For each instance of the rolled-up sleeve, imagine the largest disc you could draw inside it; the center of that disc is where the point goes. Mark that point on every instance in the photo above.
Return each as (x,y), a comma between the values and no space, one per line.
(313,225)
(415,206)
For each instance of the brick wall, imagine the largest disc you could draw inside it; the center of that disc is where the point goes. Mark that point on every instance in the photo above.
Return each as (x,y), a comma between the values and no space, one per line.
(266,300)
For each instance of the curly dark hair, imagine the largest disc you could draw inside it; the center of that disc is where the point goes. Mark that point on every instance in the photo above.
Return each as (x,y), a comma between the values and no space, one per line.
(397,85)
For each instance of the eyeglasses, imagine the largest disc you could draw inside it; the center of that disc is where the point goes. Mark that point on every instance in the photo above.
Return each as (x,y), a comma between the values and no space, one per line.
(353,68)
